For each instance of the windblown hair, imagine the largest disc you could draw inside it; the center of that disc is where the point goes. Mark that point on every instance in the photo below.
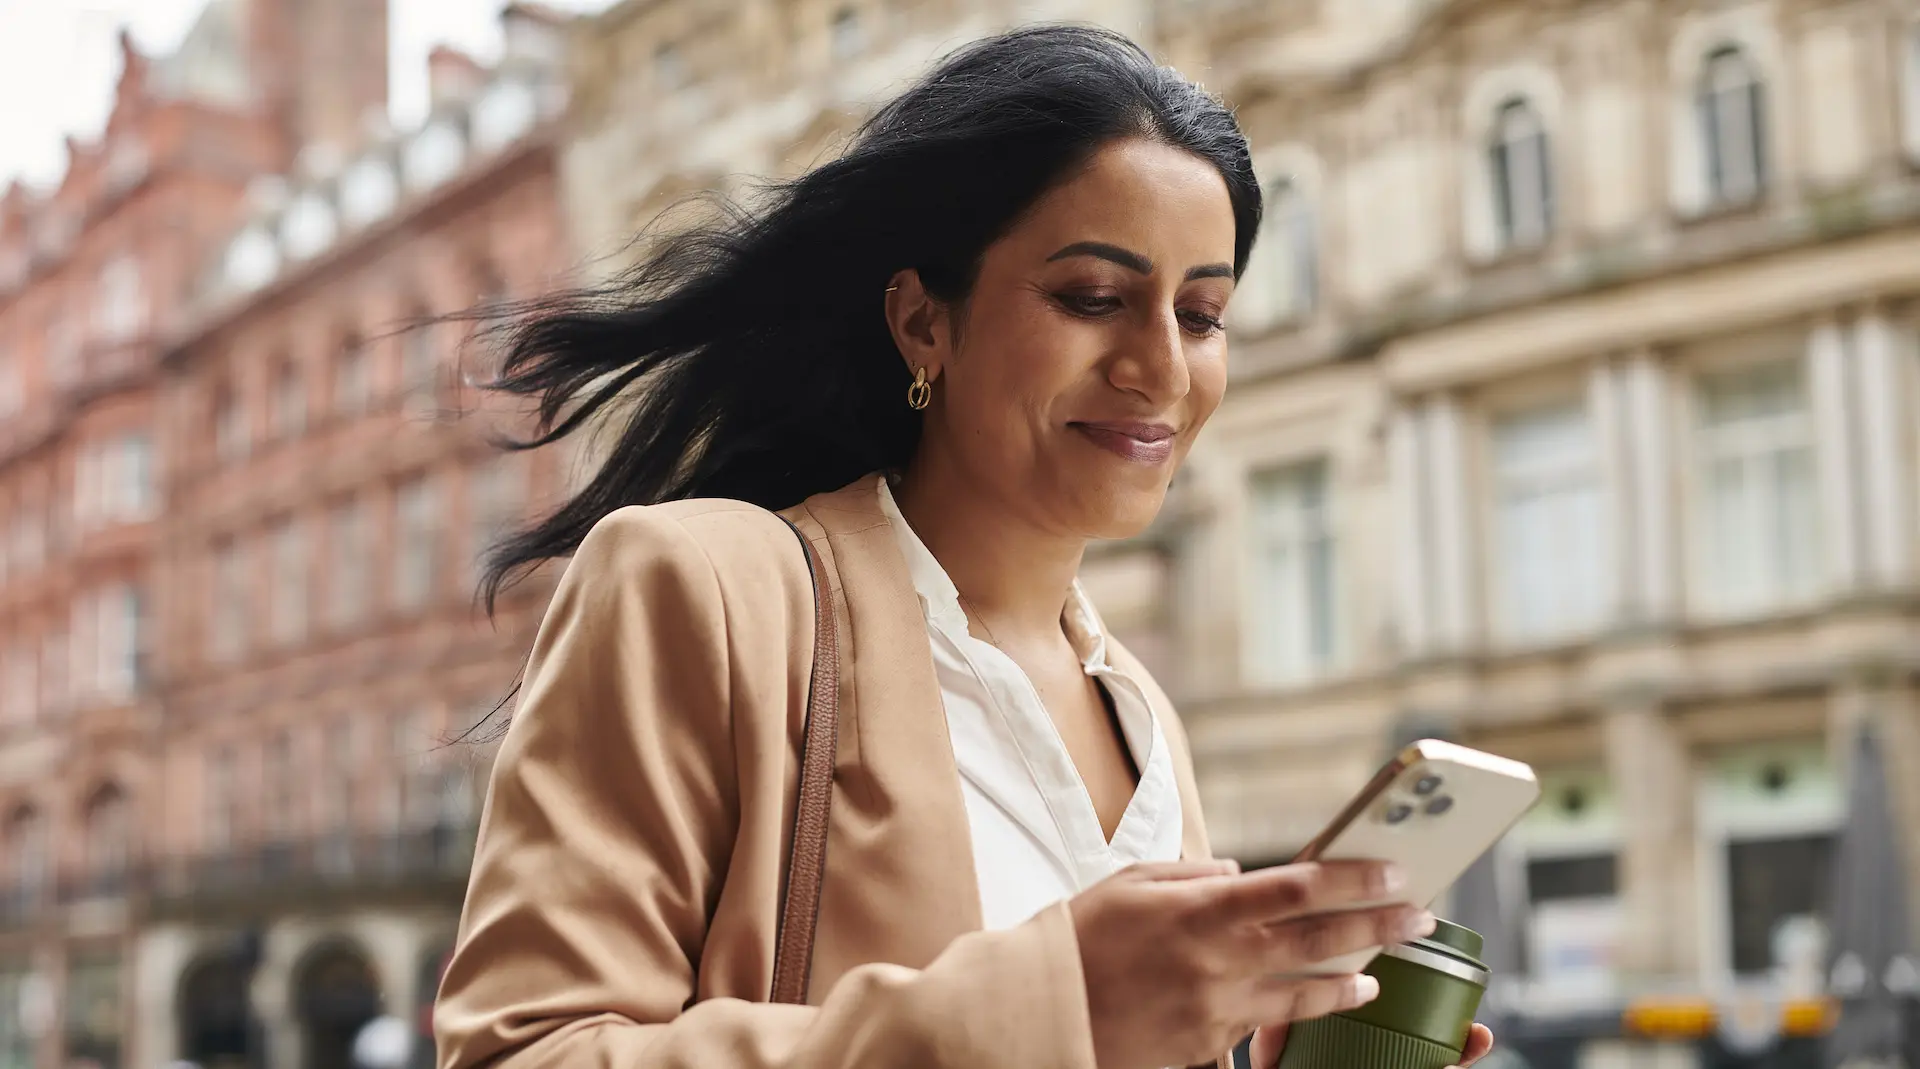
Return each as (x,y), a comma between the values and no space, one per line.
(750,357)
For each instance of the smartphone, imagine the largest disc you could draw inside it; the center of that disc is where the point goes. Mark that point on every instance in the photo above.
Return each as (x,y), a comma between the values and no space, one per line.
(1432,810)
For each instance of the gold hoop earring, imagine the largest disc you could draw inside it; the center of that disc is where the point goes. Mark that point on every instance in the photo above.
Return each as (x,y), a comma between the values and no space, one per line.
(920,394)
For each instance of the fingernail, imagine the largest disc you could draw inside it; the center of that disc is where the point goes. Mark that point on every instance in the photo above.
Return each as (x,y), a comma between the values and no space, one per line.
(1365,989)
(1396,879)
(1232,866)
(1418,925)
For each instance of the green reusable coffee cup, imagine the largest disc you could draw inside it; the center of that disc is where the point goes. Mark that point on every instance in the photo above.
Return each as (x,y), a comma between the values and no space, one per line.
(1429,991)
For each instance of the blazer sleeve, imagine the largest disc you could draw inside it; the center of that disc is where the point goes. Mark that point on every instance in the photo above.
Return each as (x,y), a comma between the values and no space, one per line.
(605,838)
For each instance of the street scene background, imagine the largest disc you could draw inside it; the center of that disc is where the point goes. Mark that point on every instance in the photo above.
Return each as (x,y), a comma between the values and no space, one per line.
(1573,417)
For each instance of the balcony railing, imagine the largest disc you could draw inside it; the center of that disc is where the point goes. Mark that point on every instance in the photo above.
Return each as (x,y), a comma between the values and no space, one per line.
(432,859)
(429,860)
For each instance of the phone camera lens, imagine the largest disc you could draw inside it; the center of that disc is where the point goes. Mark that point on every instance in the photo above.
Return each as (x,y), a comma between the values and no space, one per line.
(1439,805)
(1426,785)
(1398,812)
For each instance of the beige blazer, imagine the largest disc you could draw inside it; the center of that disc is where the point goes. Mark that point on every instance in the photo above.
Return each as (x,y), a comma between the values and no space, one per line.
(627,881)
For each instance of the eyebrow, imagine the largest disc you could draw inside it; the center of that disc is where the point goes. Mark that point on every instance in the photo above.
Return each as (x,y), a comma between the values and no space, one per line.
(1133,261)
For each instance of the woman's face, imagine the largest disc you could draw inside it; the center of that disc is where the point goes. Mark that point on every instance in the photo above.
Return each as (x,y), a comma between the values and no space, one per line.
(1090,352)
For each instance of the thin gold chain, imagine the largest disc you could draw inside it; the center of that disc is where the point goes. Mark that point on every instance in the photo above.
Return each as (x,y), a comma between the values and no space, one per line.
(968,605)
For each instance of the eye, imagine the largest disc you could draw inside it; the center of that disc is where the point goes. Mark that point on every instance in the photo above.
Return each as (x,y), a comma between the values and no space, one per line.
(1088,304)
(1201,324)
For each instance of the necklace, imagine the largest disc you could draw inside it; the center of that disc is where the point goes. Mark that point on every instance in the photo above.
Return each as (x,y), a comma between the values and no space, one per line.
(981,620)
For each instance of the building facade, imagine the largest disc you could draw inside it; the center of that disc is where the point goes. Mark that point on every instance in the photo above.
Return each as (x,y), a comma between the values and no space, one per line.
(1572,416)
(244,476)
(331,487)
(92,275)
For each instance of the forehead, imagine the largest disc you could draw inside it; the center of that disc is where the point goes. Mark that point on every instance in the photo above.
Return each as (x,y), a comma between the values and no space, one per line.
(1154,199)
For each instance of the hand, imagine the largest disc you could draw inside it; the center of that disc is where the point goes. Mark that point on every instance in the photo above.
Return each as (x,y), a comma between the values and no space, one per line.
(1271,1039)
(1181,960)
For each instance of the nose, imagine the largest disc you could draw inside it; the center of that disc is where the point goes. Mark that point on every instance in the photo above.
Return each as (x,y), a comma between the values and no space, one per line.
(1153,363)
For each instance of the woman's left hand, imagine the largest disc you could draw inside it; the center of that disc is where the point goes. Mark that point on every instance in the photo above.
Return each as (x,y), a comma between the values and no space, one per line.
(1269,1041)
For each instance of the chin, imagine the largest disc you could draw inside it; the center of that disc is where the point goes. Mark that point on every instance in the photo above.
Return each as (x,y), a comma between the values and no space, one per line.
(1122,512)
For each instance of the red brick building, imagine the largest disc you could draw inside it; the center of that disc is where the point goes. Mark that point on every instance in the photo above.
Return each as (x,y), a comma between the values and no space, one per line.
(238,510)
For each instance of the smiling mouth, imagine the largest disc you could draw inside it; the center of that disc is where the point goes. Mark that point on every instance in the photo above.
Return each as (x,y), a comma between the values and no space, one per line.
(1141,443)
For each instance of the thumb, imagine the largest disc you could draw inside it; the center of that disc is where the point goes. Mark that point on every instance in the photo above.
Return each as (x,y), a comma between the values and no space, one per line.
(1268,1042)
(1150,871)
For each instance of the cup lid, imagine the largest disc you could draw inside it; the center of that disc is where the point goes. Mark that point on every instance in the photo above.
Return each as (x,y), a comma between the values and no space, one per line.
(1458,939)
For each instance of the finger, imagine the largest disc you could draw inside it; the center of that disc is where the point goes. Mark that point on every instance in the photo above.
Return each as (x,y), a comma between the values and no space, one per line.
(1479,1045)
(1269,1040)
(1149,871)
(1294,890)
(1282,1001)
(1299,944)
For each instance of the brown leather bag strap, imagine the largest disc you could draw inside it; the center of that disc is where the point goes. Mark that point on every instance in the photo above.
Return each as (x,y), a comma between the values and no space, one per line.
(807,863)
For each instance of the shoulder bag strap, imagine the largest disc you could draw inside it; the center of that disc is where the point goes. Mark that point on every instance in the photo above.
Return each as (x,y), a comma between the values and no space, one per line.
(807,864)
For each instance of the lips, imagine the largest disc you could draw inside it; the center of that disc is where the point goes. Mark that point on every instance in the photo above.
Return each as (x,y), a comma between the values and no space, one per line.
(1142,443)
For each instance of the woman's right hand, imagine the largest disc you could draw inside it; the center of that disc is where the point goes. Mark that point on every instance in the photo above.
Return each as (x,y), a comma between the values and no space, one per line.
(1183,959)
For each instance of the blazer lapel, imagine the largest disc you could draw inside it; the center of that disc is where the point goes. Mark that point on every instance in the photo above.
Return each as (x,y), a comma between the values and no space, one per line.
(900,883)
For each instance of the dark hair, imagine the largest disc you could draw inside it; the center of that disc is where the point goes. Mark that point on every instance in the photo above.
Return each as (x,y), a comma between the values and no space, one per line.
(752,354)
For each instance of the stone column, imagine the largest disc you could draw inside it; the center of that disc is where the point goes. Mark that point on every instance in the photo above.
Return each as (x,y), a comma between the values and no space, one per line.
(1207,624)
(1607,401)
(160,957)
(1832,440)
(1886,445)
(1648,761)
(394,945)
(1410,528)
(1648,390)
(1451,530)
(273,993)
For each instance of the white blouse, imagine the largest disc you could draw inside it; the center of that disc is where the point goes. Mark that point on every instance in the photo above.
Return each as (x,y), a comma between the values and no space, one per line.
(1036,836)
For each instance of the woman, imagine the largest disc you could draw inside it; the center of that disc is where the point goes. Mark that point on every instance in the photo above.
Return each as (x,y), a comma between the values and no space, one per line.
(984,336)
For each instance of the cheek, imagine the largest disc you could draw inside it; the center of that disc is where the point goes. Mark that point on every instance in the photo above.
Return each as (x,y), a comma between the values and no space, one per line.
(1207,378)
(1015,366)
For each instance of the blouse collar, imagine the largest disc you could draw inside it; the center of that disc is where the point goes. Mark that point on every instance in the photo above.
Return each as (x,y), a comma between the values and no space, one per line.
(941,599)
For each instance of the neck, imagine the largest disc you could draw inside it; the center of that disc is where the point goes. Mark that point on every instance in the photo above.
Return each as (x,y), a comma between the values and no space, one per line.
(1014,576)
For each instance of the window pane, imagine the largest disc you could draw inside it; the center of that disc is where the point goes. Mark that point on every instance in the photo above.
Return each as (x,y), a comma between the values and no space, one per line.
(289,582)
(1760,526)
(1770,884)
(1553,879)
(347,574)
(219,798)
(417,517)
(1293,623)
(350,379)
(1551,564)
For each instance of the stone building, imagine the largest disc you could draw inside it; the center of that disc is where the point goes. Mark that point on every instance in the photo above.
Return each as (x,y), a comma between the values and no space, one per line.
(1572,417)
(239,505)
(93,274)
(330,487)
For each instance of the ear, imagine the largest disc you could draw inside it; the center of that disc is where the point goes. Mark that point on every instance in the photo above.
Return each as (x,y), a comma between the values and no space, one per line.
(920,323)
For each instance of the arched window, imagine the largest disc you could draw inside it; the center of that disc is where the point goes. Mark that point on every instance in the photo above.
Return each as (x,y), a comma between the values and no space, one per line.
(1282,282)
(121,308)
(229,424)
(848,36)
(1909,92)
(27,854)
(108,836)
(1733,122)
(289,401)
(1522,175)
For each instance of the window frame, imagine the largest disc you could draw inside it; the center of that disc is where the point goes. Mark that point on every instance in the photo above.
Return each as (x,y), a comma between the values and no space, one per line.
(1503,162)
(1714,105)
(1533,479)
(1314,533)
